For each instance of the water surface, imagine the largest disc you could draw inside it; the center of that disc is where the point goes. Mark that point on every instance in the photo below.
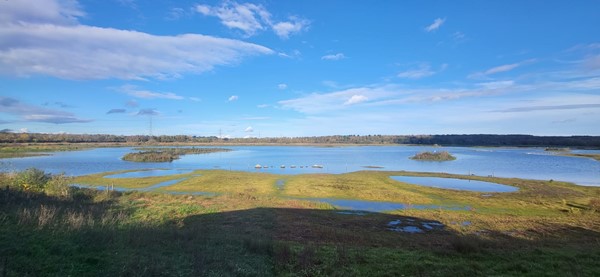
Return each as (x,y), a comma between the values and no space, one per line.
(456,184)
(376,206)
(527,163)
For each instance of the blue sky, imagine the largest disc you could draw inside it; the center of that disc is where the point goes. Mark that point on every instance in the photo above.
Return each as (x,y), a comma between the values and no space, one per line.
(300,68)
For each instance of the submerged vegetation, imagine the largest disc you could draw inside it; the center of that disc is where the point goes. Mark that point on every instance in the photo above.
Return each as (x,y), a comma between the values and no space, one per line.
(433,156)
(261,224)
(167,154)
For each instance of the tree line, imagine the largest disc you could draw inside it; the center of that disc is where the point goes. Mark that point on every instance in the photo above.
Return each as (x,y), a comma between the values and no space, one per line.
(444,140)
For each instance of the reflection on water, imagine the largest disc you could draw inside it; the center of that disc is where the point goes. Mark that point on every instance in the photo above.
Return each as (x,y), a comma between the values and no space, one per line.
(456,184)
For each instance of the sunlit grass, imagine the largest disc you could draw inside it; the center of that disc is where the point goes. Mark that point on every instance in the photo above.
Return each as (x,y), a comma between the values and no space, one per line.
(254,228)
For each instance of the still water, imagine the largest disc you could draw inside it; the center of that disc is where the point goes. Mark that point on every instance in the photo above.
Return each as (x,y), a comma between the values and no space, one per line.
(529,163)
(456,184)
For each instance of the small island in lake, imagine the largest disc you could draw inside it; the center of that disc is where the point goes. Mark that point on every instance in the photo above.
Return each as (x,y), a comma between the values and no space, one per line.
(433,156)
(160,155)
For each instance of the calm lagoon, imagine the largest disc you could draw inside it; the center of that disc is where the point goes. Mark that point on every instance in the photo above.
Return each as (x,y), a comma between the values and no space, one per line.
(528,163)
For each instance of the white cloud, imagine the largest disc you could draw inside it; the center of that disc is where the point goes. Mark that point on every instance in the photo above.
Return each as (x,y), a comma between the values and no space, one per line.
(592,62)
(40,12)
(145,94)
(497,84)
(251,18)
(334,57)
(424,70)
(437,23)
(546,108)
(33,113)
(255,118)
(293,55)
(355,99)
(262,106)
(246,17)
(500,69)
(45,38)
(458,36)
(232,98)
(323,102)
(195,99)
(286,28)
(249,129)
(282,86)
(175,13)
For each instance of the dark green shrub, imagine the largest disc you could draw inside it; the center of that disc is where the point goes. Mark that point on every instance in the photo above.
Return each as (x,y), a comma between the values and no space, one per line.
(32,179)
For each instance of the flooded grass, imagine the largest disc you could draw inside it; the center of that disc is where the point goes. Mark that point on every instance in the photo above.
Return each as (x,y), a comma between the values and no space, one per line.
(253,228)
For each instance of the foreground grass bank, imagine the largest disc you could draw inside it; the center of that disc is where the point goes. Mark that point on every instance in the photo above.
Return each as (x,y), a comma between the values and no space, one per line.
(259,225)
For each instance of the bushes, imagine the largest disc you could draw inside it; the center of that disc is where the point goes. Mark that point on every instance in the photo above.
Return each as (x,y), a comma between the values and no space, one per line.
(35,180)
(32,179)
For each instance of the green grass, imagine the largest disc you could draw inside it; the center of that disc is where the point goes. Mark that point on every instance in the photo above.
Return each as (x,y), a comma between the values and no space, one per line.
(252,228)
(433,156)
(167,154)
(31,150)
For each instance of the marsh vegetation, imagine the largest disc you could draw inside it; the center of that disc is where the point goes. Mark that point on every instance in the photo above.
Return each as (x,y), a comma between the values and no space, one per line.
(433,156)
(167,154)
(254,226)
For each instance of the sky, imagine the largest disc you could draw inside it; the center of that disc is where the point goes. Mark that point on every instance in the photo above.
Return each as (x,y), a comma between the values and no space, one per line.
(270,68)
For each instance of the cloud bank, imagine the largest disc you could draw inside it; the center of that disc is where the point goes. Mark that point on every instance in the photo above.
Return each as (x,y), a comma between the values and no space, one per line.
(44,37)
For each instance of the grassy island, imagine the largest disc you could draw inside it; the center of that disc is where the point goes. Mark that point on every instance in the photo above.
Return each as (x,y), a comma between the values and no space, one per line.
(167,154)
(434,156)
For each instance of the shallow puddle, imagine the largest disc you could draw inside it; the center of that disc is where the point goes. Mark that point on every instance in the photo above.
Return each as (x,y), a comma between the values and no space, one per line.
(103,188)
(280,184)
(163,184)
(456,184)
(352,212)
(374,206)
(412,226)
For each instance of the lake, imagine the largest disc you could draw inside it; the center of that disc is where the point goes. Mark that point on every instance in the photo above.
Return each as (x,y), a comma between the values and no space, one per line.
(528,163)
